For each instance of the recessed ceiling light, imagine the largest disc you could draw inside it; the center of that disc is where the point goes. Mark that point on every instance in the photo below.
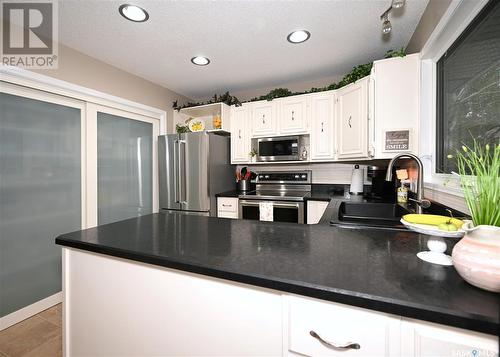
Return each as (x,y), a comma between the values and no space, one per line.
(298,36)
(200,60)
(133,13)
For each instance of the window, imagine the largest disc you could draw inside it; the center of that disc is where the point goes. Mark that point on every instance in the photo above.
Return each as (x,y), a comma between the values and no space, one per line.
(468,88)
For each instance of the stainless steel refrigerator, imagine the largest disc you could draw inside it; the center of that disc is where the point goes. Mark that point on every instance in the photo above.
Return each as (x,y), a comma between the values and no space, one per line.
(193,167)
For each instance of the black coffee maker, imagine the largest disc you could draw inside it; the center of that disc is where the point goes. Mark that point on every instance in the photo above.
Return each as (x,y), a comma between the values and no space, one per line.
(381,188)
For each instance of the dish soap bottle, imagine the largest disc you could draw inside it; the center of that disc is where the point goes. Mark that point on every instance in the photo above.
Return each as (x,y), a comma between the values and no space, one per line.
(403,192)
(402,195)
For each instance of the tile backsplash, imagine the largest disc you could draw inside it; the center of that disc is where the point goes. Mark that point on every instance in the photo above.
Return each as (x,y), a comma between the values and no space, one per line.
(327,173)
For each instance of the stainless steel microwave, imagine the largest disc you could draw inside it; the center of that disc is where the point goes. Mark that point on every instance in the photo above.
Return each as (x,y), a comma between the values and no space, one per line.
(282,148)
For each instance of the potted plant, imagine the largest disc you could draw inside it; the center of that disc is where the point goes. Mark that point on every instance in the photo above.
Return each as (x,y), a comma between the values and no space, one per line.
(477,256)
(253,155)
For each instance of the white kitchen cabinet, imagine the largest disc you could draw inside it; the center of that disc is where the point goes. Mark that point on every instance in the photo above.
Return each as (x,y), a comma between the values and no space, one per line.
(180,313)
(352,120)
(264,118)
(315,210)
(425,339)
(240,134)
(294,118)
(156,311)
(376,334)
(227,207)
(322,126)
(396,96)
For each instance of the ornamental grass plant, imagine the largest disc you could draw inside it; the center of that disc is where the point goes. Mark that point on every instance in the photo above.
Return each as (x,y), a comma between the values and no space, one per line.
(479,170)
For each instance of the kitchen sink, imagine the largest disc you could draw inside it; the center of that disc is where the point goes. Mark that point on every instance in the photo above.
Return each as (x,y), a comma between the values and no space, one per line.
(369,214)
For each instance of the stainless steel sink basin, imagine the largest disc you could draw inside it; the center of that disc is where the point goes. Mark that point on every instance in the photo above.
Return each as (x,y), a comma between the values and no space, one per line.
(369,214)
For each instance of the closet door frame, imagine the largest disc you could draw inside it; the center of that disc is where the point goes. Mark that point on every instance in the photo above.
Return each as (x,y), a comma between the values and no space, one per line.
(40,95)
(36,94)
(91,163)
(24,83)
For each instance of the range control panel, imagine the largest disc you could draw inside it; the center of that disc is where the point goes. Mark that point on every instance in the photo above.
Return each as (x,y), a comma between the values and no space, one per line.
(284,177)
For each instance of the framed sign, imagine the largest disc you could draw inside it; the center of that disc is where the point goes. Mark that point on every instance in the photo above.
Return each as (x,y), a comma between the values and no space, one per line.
(397,140)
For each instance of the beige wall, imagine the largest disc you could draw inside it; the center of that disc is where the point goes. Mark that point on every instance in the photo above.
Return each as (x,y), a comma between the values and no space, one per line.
(78,68)
(432,14)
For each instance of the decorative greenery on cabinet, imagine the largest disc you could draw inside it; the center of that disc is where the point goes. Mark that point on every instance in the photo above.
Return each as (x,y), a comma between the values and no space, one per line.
(356,73)
(225,98)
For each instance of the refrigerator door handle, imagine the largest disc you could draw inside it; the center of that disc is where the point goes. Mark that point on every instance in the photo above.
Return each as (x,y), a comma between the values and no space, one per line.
(176,171)
(182,173)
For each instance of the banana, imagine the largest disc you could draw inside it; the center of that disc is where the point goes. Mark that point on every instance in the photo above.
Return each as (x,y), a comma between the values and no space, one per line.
(432,219)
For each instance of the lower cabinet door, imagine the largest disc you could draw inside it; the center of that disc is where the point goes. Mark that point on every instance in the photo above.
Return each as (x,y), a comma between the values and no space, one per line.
(315,210)
(329,329)
(419,338)
(227,207)
(118,307)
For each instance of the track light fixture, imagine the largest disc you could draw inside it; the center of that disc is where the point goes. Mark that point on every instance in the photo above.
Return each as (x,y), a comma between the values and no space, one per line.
(396,4)
(386,23)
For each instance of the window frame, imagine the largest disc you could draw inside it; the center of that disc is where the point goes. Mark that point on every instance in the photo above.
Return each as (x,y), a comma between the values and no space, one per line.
(457,18)
(439,124)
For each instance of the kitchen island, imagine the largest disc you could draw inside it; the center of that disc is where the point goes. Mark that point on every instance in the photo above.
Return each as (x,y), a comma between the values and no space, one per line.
(173,284)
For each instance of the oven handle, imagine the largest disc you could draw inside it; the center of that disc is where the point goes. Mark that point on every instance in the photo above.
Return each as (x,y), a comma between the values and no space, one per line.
(275,204)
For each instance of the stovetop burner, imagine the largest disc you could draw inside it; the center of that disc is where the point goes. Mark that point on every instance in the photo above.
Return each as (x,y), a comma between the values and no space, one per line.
(281,186)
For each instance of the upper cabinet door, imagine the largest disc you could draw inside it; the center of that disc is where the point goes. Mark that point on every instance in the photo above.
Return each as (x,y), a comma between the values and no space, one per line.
(264,118)
(322,126)
(396,93)
(352,120)
(240,139)
(293,115)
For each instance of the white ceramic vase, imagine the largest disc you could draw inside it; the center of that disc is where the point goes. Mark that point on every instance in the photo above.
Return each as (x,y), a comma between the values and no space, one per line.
(477,256)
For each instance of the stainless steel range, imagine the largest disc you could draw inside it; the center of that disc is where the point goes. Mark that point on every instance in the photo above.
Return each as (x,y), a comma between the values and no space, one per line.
(285,190)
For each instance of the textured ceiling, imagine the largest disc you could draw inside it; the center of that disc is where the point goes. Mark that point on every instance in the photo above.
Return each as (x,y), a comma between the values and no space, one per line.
(245,40)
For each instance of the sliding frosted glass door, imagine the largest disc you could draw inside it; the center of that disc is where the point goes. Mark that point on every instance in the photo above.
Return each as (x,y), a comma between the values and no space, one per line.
(40,193)
(124,168)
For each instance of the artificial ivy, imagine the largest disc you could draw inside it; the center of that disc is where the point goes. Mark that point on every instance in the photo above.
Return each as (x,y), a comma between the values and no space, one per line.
(225,98)
(357,73)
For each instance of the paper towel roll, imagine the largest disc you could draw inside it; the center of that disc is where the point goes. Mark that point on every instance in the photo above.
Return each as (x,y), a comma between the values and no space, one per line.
(356,181)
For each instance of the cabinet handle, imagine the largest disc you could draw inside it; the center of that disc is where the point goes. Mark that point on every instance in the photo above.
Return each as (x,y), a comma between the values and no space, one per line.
(263,119)
(350,126)
(224,205)
(292,115)
(239,133)
(344,346)
(322,127)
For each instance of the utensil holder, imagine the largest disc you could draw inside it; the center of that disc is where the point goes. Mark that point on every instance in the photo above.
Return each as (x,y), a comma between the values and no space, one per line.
(244,185)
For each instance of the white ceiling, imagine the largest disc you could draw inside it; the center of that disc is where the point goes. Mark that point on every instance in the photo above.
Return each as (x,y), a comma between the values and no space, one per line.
(245,40)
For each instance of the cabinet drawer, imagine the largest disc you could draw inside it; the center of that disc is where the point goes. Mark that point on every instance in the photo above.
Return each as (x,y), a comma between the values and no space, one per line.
(376,334)
(227,204)
(222,214)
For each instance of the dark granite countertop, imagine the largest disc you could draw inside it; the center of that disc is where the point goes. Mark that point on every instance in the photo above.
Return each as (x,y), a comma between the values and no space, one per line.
(373,269)
(233,193)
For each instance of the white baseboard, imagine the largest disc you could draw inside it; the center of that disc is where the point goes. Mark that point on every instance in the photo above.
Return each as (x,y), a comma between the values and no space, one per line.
(30,310)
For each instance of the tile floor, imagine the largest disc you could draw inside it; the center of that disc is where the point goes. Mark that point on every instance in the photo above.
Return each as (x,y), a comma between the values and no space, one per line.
(38,336)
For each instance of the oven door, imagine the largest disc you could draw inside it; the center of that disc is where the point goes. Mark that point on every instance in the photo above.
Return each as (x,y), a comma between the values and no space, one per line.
(278,149)
(282,211)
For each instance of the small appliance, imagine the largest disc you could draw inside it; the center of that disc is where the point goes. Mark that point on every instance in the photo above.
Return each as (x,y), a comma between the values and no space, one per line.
(283,148)
(380,187)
